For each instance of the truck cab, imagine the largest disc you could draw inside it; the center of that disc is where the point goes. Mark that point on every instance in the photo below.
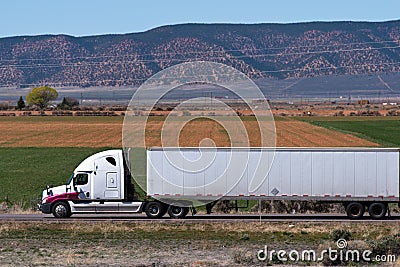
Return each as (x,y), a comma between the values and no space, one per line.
(101,183)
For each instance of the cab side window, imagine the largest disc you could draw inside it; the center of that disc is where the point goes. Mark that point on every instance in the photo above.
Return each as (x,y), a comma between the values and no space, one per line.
(81,179)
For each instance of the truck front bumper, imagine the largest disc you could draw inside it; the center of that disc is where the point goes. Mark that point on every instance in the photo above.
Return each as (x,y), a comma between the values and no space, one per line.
(45,208)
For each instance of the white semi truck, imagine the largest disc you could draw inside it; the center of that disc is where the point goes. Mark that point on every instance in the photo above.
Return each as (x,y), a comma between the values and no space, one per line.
(363,179)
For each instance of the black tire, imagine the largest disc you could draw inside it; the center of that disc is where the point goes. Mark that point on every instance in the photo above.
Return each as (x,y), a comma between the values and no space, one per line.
(355,210)
(154,210)
(61,210)
(377,210)
(177,212)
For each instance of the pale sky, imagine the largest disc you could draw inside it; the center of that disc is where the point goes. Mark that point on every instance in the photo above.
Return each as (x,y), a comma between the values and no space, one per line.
(94,17)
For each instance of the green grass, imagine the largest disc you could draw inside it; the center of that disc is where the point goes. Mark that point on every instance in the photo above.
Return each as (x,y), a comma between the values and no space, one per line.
(155,232)
(382,130)
(346,118)
(25,172)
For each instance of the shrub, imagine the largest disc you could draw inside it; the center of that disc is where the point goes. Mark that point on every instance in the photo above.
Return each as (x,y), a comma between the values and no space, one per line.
(243,257)
(386,245)
(340,234)
(287,206)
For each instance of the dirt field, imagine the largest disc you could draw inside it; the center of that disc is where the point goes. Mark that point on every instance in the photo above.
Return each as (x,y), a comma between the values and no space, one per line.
(301,134)
(106,132)
(183,244)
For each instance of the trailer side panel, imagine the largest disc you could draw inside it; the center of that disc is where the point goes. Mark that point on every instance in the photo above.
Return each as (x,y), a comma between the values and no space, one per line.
(316,173)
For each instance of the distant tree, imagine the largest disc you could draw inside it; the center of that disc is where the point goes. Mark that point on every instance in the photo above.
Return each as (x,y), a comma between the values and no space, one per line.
(41,96)
(64,103)
(68,103)
(21,103)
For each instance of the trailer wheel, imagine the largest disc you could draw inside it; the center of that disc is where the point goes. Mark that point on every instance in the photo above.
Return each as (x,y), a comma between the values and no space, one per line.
(177,212)
(355,210)
(154,210)
(61,210)
(377,210)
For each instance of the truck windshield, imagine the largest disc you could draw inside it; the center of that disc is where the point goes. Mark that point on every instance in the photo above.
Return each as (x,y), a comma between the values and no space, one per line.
(70,178)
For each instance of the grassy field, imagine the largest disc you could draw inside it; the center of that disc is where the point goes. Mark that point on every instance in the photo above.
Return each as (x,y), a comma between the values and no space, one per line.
(382,130)
(25,172)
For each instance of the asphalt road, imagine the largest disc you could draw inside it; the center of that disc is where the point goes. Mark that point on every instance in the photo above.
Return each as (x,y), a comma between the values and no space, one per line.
(326,218)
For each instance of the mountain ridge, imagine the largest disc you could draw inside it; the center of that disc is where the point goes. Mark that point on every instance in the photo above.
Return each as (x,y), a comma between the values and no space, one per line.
(280,51)
(208,24)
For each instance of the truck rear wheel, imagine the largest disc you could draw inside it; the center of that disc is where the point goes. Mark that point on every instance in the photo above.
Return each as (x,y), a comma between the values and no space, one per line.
(177,212)
(154,210)
(377,210)
(61,210)
(355,210)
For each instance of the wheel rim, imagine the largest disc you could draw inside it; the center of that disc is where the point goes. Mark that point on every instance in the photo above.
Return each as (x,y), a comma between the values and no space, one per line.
(154,210)
(355,211)
(61,210)
(177,211)
(377,210)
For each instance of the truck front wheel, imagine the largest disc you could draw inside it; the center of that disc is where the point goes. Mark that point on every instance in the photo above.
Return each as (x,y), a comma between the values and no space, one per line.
(377,210)
(355,210)
(154,210)
(177,212)
(61,210)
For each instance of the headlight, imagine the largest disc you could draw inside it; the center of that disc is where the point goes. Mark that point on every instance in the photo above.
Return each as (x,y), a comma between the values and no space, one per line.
(44,200)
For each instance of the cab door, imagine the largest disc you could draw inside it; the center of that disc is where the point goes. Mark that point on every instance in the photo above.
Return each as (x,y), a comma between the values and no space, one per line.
(82,184)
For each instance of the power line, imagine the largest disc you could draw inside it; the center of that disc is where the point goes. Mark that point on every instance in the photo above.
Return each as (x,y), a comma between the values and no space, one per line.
(138,61)
(39,65)
(227,74)
(204,52)
(322,52)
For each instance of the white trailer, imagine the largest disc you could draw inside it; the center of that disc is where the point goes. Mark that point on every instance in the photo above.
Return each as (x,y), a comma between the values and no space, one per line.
(360,178)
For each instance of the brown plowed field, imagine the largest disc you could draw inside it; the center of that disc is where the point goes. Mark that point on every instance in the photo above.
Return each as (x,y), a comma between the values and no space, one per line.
(302,134)
(106,132)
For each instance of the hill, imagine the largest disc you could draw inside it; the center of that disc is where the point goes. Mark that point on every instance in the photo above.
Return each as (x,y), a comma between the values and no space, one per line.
(277,51)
